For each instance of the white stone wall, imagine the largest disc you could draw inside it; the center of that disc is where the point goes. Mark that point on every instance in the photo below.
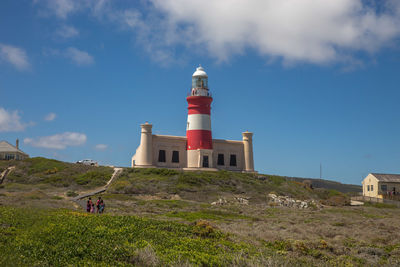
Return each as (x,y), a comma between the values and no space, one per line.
(228,148)
(178,143)
(169,144)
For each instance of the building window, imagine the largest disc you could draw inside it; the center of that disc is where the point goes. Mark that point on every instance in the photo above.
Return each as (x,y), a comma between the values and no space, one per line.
(10,156)
(161,156)
(221,160)
(384,187)
(367,187)
(232,161)
(372,187)
(175,156)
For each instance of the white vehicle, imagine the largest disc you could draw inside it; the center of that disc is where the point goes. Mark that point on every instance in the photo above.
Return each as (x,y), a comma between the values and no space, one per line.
(88,162)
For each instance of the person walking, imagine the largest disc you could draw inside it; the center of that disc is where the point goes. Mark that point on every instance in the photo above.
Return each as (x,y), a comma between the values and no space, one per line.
(102,206)
(92,209)
(98,204)
(89,204)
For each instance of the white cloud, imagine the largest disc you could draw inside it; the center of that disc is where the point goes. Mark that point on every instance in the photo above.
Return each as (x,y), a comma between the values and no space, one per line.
(79,57)
(101,147)
(76,56)
(15,56)
(50,117)
(60,8)
(67,32)
(10,121)
(316,31)
(58,141)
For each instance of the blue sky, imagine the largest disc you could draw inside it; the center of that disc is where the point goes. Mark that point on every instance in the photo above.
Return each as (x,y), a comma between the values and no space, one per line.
(316,81)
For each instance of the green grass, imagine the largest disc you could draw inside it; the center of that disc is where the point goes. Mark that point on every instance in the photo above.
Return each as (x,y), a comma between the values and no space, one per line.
(32,237)
(379,205)
(35,171)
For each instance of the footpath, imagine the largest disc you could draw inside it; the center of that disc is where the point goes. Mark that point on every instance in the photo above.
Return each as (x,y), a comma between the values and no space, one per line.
(80,198)
(4,174)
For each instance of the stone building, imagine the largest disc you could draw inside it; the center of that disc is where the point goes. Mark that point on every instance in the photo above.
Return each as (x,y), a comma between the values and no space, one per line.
(10,152)
(196,150)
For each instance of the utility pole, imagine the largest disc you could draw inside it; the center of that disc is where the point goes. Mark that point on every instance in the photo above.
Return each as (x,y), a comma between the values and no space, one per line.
(320,171)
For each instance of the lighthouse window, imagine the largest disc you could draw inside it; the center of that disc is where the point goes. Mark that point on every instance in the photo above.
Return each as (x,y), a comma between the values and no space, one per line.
(161,156)
(175,156)
(221,160)
(232,161)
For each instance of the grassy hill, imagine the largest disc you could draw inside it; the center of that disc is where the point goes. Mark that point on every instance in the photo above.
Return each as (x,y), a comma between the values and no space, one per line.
(160,217)
(41,171)
(209,186)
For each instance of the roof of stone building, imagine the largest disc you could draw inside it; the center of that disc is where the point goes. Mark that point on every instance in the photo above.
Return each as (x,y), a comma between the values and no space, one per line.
(7,147)
(383,177)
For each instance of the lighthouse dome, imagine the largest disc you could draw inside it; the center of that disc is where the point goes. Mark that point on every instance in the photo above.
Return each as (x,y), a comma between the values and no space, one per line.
(200,72)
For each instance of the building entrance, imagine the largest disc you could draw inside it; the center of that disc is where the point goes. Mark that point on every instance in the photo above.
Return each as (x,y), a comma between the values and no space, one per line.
(205,161)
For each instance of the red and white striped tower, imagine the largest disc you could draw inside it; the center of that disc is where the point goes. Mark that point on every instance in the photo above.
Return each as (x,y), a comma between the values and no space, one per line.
(198,132)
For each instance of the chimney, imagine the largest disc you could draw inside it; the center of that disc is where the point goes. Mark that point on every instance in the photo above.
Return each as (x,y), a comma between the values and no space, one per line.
(17,143)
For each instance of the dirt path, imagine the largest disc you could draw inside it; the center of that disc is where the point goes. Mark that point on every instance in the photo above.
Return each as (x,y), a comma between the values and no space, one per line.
(4,174)
(98,190)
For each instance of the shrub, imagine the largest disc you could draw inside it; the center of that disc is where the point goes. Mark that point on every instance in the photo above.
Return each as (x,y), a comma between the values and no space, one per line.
(72,194)
(36,194)
(203,228)
(51,171)
(120,186)
(340,200)
(96,177)
(145,257)
(40,164)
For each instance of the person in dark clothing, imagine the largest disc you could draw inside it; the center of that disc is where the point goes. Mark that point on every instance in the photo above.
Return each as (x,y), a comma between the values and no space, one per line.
(98,204)
(102,206)
(89,204)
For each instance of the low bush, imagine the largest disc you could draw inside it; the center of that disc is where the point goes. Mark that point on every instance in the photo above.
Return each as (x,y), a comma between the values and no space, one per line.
(203,228)
(72,194)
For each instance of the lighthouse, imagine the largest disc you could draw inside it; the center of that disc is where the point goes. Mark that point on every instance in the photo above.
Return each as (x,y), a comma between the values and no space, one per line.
(197,150)
(198,131)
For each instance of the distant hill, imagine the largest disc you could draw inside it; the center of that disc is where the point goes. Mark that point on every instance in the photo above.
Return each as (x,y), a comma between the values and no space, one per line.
(327,184)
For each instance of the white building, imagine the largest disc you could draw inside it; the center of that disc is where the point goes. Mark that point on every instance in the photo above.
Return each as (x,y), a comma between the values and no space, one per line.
(10,152)
(196,150)
(381,185)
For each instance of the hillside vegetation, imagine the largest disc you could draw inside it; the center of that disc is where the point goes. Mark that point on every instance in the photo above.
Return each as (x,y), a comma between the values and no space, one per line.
(42,171)
(209,186)
(59,238)
(161,217)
